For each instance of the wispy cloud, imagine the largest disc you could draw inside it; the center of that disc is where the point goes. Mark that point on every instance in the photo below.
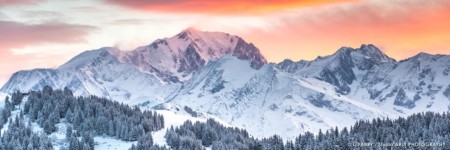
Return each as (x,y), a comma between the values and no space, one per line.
(217,6)
(4,3)
(18,35)
(44,16)
(143,21)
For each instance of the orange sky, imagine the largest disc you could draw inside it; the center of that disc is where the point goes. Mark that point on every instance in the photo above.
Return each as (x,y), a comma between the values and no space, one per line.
(401,30)
(310,28)
(46,33)
(228,7)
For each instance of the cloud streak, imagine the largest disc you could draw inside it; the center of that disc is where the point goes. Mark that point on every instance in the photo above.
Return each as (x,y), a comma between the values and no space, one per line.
(19,35)
(44,16)
(216,6)
(4,3)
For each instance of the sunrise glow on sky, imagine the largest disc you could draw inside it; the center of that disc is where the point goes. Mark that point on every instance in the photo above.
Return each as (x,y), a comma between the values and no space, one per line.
(47,33)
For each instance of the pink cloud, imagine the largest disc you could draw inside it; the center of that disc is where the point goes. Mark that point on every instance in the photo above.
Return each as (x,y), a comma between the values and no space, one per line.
(18,2)
(217,6)
(20,35)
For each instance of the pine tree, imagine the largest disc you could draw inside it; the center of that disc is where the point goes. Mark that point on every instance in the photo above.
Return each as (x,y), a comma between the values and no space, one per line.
(48,128)
(69,131)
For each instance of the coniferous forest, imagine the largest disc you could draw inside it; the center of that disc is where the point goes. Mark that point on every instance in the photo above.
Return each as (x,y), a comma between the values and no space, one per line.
(420,131)
(94,116)
(87,117)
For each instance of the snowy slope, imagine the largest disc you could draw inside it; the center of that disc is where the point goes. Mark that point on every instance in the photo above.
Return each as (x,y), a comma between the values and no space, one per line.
(96,72)
(253,99)
(2,99)
(367,75)
(413,85)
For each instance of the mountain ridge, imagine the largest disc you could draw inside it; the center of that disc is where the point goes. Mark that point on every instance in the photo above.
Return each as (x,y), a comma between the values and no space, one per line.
(224,76)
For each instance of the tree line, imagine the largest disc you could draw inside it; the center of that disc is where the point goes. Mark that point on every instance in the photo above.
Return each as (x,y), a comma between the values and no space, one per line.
(419,131)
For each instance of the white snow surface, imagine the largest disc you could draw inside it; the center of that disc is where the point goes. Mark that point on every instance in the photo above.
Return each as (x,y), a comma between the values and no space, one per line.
(108,143)
(2,99)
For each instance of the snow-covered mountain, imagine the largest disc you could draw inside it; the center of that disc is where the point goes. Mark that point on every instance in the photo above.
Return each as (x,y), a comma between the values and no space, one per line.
(268,101)
(337,69)
(147,73)
(96,72)
(366,74)
(174,59)
(221,75)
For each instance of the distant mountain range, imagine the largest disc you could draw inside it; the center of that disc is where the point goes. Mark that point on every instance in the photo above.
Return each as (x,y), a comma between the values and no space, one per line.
(223,75)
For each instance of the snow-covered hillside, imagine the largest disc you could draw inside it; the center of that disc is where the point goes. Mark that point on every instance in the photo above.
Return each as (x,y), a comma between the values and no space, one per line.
(2,99)
(269,101)
(366,74)
(222,76)
(3,96)
(101,74)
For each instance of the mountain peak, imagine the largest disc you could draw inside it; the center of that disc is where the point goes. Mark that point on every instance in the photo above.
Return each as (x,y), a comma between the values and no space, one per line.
(368,46)
(192,30)
(344,50)
(186,32)
(196,34)
(422,56)
(87,57)
(370,51)
(186,52)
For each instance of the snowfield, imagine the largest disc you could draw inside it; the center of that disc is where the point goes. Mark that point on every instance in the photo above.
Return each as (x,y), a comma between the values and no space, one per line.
(108,143)
(2,99)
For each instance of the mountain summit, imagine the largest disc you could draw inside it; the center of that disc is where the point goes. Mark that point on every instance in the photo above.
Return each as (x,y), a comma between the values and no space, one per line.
(188,51)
